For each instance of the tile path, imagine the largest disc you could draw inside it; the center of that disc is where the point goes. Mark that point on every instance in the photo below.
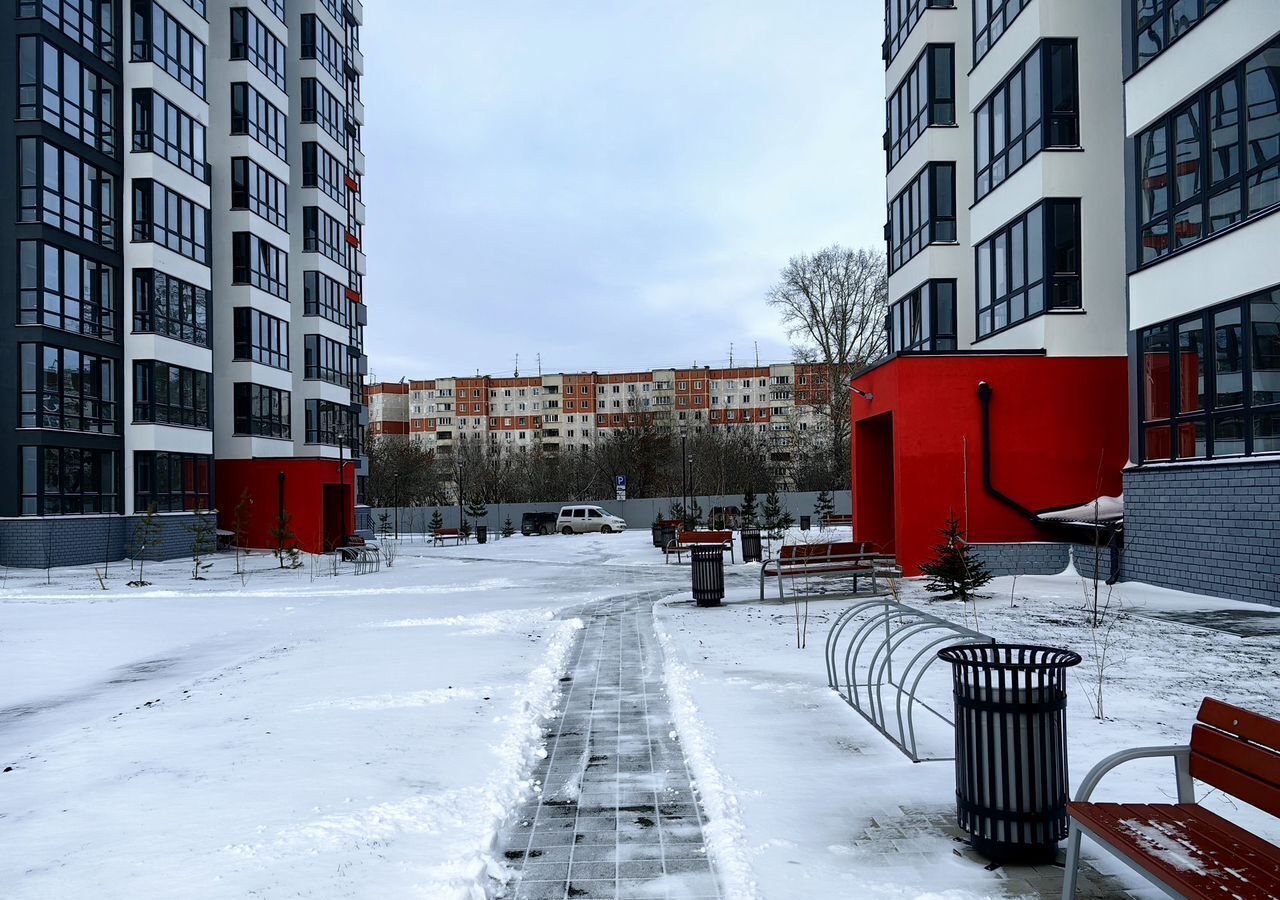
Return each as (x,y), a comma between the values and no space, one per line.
(617,816)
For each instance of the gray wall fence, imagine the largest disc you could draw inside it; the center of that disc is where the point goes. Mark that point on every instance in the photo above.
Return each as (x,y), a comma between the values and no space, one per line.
(36,543)
(638,513)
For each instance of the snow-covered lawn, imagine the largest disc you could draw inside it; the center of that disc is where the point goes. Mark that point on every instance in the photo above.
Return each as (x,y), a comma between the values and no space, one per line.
(326,737)
(302,736)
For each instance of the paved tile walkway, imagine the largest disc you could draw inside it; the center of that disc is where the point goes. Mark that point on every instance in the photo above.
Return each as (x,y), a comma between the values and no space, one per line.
(617,816)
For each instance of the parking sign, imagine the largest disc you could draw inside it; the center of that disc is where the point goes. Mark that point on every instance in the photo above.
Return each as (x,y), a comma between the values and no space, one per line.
(620,487)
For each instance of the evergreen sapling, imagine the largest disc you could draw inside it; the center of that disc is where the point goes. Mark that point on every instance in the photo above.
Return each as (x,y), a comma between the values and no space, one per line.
(955,569)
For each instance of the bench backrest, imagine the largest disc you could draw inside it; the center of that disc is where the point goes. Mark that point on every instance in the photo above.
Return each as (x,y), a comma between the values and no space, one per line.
(837,520)
(834,549)
(1238,752)
(706,537)
(445,532)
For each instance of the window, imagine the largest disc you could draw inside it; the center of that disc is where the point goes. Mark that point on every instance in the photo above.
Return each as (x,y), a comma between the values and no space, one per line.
(991,18)
(334,7)
(925,319)
(327,360)
(1212,162)
(324,172)
(59,189)
(326,298)
(1210,383)
(90,23)
(158,37)
(260,338)
(166,305)
(254,115)
(171,482)
(322,233)
(321,108)
(61,289)
(257,190)
(900,17)
(329,423)
(66,389)
(161,128)
(255,262)
(170,395)
(253,41)
(1030,264)
(318,43)
(198,6)
(165,217)
(925,97)
(1036,107)
(59,481)
(923,213)
(276,7)
(1158,23)
(260,410)
(58,88)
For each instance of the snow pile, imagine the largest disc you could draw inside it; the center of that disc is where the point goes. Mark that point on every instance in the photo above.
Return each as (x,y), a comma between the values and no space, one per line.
(723,830)
(1166,845)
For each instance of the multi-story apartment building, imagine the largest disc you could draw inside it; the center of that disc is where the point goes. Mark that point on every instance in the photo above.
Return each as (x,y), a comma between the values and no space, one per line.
(1003,394)
(183,228)
(565,412)
(1202,105)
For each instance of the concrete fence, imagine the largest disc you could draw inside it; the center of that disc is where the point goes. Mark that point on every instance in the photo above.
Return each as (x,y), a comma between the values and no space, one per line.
(638,513)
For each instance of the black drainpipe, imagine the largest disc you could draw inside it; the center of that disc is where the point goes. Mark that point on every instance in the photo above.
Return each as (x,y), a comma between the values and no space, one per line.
(1114,536)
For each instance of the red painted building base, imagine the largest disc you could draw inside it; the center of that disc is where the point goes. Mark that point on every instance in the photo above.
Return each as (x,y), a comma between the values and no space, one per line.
(1058,432)
(320,506)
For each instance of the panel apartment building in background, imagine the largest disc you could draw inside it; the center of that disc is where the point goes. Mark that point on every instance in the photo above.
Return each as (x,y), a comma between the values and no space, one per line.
(187,319)
(566,412)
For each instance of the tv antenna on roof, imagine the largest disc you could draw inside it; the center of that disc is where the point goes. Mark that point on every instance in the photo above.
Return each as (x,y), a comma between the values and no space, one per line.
(516,374)
(539,355)
(731,354)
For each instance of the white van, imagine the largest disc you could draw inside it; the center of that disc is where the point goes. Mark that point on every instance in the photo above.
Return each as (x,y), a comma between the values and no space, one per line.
(581,519)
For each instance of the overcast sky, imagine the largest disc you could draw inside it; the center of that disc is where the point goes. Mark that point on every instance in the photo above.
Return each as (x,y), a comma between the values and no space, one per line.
(613,185)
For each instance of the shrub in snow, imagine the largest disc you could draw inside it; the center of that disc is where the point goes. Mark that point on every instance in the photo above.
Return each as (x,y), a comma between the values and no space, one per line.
(146,534)
(507,528)
(204,542)
(823,507)
(954,570)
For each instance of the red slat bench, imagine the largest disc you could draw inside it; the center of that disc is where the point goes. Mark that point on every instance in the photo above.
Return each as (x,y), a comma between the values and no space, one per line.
(440,535)
(833,558)
(837,520)
(687,540)
(1183,848)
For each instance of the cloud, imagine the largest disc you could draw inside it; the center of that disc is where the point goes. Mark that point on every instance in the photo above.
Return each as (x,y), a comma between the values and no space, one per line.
(610,185)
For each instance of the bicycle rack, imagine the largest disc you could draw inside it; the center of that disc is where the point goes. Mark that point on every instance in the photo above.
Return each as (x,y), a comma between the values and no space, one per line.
(860,675)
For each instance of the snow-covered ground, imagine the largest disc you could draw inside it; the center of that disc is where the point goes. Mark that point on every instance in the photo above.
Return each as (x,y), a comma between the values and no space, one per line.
(310,736)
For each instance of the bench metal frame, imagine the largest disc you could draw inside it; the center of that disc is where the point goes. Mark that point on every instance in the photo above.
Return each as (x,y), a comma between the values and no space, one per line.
(884,663)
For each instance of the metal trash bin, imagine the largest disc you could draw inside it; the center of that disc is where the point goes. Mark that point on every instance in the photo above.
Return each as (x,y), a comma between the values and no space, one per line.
(1011,747)
(668,536)
(805,522)
(482,534)
(656,530)
(751,545)
(708,575)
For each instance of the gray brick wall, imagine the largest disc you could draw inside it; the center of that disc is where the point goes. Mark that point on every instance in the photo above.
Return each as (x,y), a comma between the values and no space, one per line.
(1023,558)
(34,543)
(1211,529)
(1082,558)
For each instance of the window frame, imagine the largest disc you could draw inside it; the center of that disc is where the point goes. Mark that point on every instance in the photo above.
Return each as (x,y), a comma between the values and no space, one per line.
(914,104)
(150,317)
(249,400)
(97,290)
(36,499)
(194,484)
(153,395)
(998,20)
(921,197)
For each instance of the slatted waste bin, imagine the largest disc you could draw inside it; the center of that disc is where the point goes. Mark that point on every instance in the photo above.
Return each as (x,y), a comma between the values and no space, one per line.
(708,575)
(668,535)
(751,545)
(656,532)
(482,533)
(1011,747)
(805,522)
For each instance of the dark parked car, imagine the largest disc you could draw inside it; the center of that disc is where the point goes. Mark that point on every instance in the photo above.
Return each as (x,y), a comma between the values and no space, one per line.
(537,523)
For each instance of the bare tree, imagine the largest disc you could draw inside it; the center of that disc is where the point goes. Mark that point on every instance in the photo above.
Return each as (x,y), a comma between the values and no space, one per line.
(833,304)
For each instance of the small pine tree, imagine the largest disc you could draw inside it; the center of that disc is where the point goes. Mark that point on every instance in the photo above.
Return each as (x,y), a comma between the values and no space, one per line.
(773,514)
(507,528)
(240,519)
(693,516)
(823,507)
(437,521)
(954,570)
(676,513)
(146,534)
(204,542)
(384,525)
(477,509)
(286,552)
(465,529)
(748,510)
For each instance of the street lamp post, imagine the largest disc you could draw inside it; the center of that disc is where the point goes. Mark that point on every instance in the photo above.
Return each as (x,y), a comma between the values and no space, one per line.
(395,498)
(458,484)
(684,475)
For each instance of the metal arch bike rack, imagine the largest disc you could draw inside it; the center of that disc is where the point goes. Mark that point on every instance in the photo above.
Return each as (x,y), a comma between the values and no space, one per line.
(899,657)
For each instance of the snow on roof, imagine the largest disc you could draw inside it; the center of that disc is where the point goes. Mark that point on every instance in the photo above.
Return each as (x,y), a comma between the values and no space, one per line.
(1104,509)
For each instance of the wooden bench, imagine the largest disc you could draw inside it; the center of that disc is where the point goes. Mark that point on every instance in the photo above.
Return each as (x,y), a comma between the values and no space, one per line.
(833,558)
(440,535)
(833,521)
(1183,848)
(687,540)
